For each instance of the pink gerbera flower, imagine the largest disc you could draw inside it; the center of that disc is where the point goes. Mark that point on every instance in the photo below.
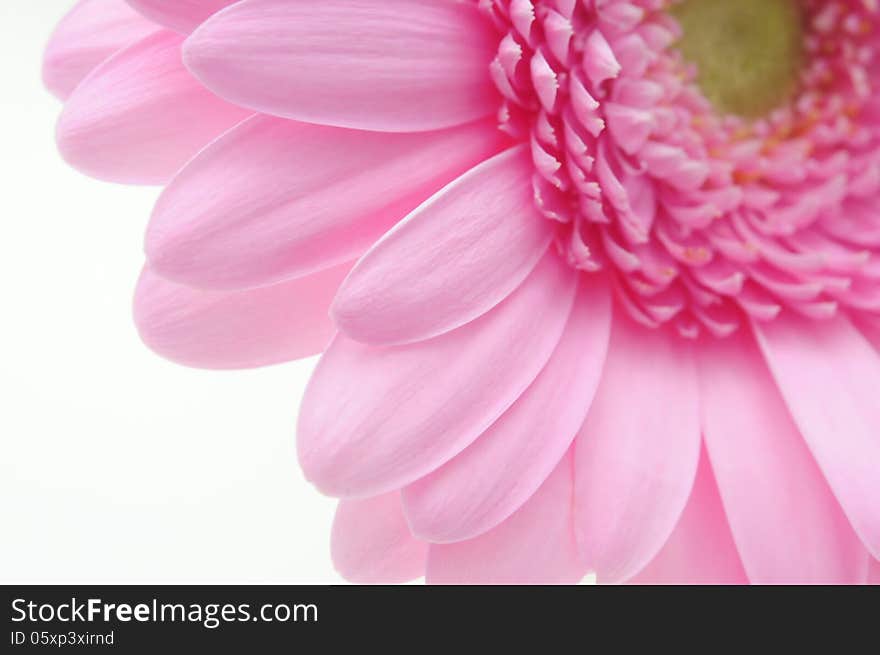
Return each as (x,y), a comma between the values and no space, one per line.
(635,330)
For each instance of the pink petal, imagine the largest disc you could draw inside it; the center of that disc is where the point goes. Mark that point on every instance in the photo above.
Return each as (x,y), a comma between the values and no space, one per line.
(870,328)
(92,31)
(451,260)
(829,376)
(493,477)
(389,65)
(701,549)
(140,115)
(636,455)
(787,525)
(371,543)
(874,572)
(180,15)
(376,419)
(238,329)
(274,199)
(534,546)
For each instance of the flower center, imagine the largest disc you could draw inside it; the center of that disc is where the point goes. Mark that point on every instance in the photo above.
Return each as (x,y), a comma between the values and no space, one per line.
(748,53)
(717,160)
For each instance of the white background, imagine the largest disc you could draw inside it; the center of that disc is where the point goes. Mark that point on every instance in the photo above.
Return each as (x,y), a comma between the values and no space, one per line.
(116,466)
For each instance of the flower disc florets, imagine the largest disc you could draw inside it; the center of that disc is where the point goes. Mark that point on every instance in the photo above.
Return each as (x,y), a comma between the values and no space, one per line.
(702,216)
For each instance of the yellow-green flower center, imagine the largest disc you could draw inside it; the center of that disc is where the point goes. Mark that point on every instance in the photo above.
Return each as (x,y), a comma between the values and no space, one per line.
(748,52)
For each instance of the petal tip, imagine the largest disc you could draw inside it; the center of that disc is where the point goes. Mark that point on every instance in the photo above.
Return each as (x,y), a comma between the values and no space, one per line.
(427,519)
(52,73)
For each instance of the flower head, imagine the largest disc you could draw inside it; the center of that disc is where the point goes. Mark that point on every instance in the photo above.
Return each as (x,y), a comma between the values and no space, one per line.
(605,273)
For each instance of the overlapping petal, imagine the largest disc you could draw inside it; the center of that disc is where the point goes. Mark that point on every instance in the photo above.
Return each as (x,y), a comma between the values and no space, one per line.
(91,32)
(493,477)
(371,543)
(700,549)
(636,455)
(391,65)
(375,419)
(237,329)
(139,116)
(180,15)
(275,199)
(534,546)
(787,524)
(454,258)
(839,418)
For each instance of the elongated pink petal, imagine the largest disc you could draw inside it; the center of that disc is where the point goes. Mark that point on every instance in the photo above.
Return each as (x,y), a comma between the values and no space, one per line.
(874,572)
(275,199)
(534,546)
(700,549)
(140,115)
(91,32)
(829,375)
(180,15)
(636,455)
(376,419)
(237,329)
(371,543)
(787,525)
(493,477)
(450,261)
(389,65)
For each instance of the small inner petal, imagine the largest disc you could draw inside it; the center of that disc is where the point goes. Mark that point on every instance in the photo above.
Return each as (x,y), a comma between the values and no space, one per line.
(748,53)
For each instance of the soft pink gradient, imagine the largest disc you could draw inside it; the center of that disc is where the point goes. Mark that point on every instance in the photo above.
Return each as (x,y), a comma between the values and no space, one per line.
(139,116)
(396,66)
(273,199)
(621,334)
(180,15)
